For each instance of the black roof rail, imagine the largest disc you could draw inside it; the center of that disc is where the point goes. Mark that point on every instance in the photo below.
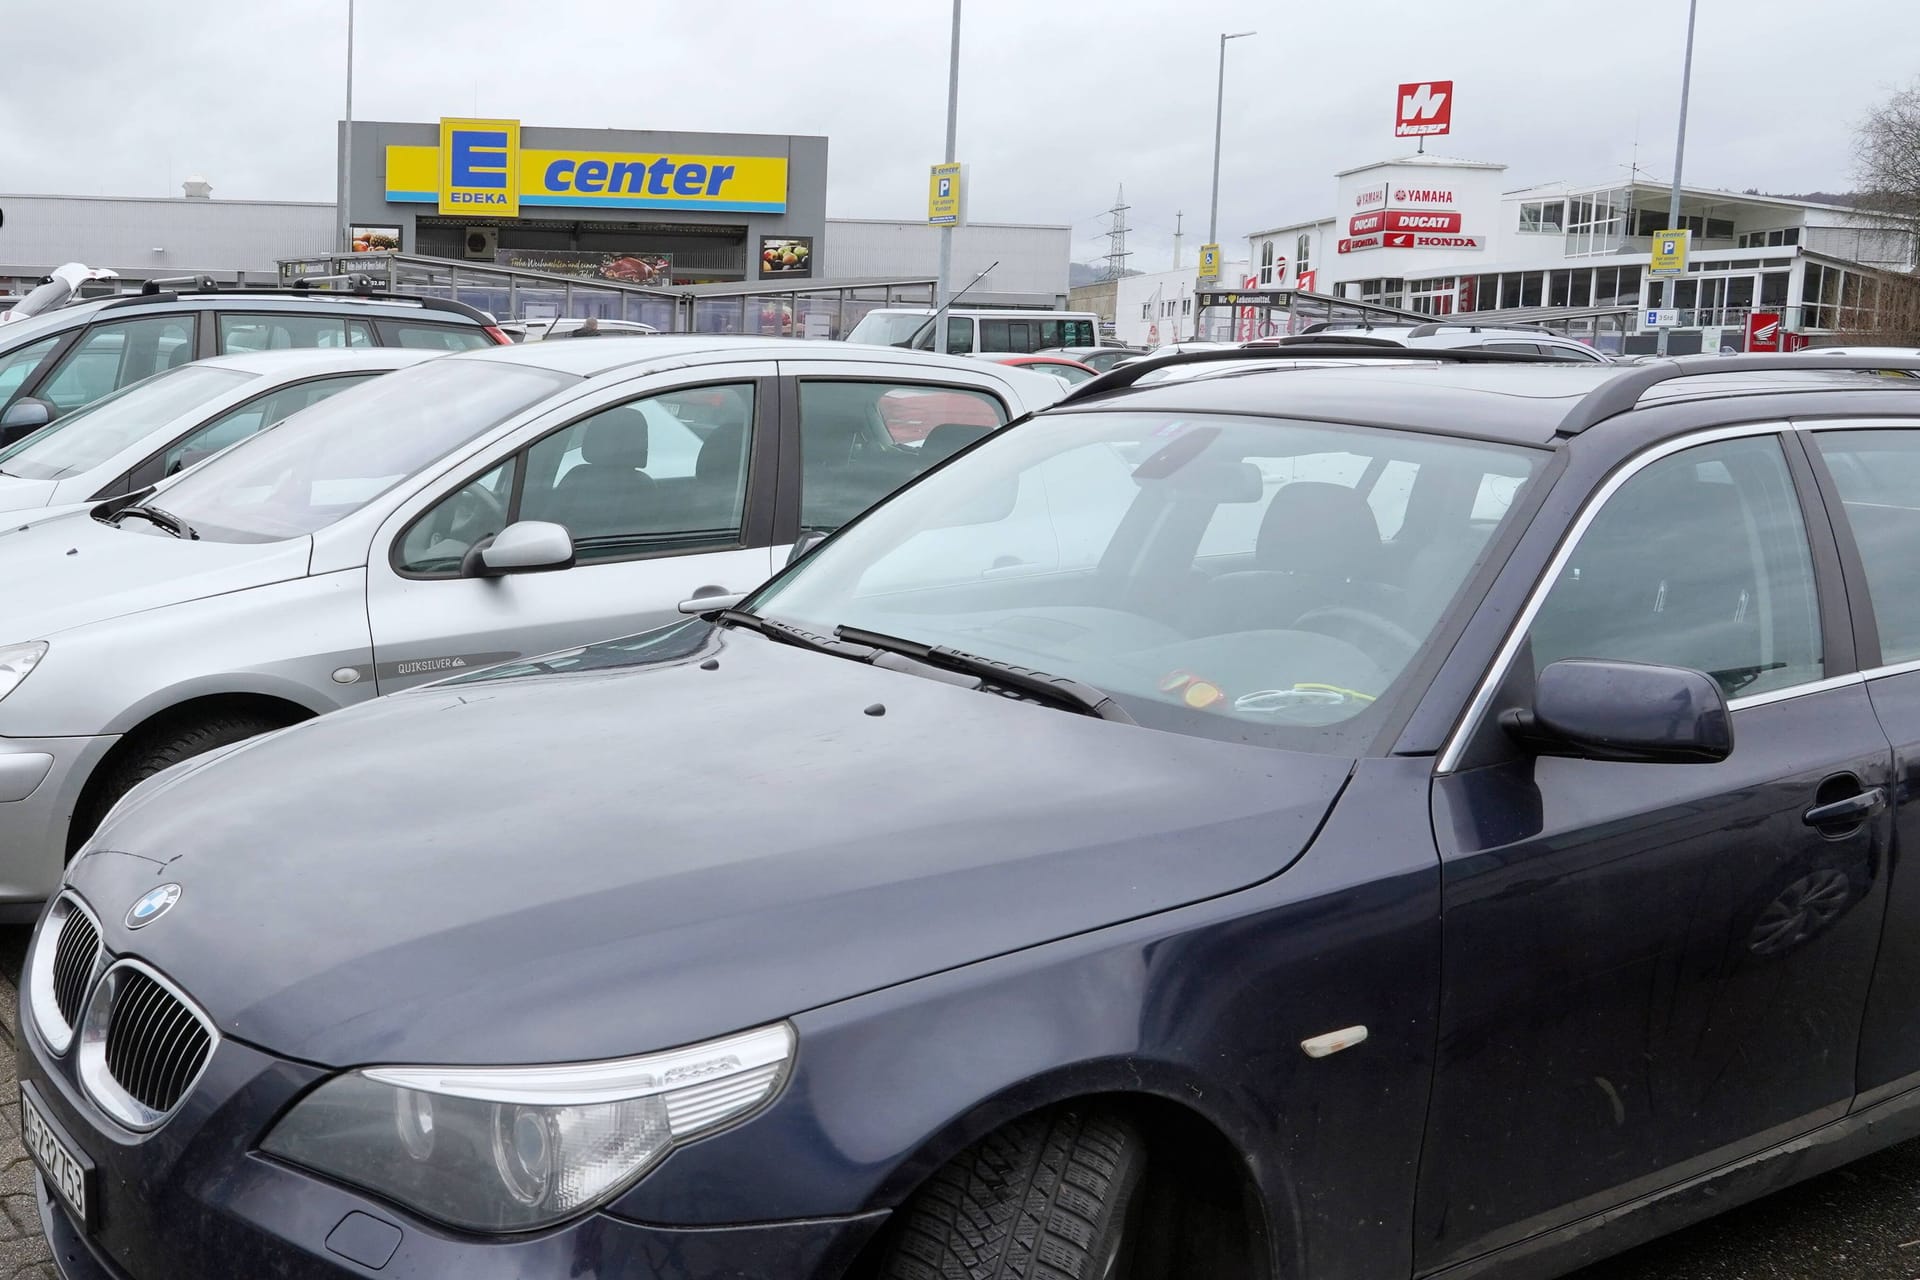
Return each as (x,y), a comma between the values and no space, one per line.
(1340,336)
(1125,375)
(1622,394)
(195,284)
(296,291)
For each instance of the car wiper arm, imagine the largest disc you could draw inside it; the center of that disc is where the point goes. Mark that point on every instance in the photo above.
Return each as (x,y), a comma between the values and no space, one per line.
(787,633)
(1060,690)
(171,523)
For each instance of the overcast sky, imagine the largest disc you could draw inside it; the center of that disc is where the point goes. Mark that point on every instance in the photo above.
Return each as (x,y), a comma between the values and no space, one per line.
(1060,102)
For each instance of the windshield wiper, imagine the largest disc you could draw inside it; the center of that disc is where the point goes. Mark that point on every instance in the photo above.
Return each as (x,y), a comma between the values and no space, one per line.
(1059,690)
(171,523)
(787,633)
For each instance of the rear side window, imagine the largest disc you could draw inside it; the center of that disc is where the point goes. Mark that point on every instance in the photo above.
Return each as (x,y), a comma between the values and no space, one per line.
(16,365)
(110,356)
(434,337)
(859,441)
(1878,475)
(285,332)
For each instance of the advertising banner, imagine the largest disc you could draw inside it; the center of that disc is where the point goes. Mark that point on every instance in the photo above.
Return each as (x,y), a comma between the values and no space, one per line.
(376,239)
(626,268)
(1764,331)
(789,258)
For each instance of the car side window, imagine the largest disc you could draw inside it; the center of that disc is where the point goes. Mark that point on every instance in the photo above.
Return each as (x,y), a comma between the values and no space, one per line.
(959,335)
(435,544)
(16,365)
(1878,475)
(667,473)
(279,332)
(1699,560)
(434,337)
(238,423)
(859,441)
(109,356)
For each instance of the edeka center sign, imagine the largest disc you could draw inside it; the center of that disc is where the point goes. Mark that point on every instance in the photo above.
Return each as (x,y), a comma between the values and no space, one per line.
(480,168)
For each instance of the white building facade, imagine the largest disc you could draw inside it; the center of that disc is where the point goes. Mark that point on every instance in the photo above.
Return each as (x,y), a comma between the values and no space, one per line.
(1441,237)
(1155,309)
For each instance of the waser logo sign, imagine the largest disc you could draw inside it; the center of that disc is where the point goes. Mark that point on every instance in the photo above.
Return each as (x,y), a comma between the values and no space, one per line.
(1426,109)
(481,168)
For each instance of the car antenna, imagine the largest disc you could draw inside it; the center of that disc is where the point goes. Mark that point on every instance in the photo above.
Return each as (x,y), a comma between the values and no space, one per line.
(938,312)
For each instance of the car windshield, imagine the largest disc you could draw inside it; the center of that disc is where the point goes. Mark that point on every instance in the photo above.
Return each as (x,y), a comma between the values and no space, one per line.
(83,440)
(1249,579)
(888,328)
(328,461)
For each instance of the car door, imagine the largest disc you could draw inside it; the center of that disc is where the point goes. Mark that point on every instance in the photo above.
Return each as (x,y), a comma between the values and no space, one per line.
(665,486)
(1650,970)
(114,353)
(1871,474)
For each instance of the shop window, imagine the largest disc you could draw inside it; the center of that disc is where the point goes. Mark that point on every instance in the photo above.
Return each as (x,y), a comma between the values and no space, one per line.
(1580,289)
(1302,255)
(1542,215)
(1773,288)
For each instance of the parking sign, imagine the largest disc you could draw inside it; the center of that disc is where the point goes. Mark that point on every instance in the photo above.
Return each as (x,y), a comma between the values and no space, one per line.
(945,184)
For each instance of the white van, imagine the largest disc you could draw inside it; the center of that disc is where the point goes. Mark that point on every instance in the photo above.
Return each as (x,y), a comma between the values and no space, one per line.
(971,332)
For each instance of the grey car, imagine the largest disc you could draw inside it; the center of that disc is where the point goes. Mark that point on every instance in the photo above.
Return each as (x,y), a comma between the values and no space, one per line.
(57,362)
(162,425)
(463,512)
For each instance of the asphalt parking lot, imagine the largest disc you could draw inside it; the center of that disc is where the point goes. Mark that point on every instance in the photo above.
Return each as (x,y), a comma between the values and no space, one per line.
(1859,1223)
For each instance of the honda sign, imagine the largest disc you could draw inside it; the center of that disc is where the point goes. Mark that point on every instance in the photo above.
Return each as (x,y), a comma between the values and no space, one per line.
(1764,331)
(1426,109)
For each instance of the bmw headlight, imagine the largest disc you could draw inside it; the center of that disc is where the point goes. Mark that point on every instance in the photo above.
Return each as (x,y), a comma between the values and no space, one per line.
(16,661)
(515,1148)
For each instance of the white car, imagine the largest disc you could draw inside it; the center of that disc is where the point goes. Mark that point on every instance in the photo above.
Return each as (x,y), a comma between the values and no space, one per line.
(1454,335)
(162,425)
(540,330)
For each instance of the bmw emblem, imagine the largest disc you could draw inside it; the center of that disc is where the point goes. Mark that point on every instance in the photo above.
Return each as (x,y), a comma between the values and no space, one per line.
(152,904)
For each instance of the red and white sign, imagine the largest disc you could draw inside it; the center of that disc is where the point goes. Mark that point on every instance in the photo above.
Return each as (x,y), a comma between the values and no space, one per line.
(1372,197)
(1426,109)
(1306,282)
(1399,239)
(1361,224)
(1421,197)
(1448,242)
(1402,220)
(1764,331)
(1355,244)
(1249,316)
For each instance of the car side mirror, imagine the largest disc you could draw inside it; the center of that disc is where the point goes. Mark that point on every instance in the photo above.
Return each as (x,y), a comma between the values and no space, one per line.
(1629,711)
(24,415)
(528,546)
(807,541)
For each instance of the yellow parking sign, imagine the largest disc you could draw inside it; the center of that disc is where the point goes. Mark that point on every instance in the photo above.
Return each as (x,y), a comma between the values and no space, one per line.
(1670,252)
(943,195)
(1209,261)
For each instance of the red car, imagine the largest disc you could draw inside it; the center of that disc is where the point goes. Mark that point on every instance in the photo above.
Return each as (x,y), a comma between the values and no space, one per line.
(1071,372)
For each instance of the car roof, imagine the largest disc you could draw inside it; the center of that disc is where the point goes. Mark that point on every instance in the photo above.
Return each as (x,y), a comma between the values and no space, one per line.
(591,357)
(1522,403)
(300,362)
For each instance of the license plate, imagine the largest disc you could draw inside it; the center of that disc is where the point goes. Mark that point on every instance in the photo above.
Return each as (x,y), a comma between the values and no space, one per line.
(58,1158)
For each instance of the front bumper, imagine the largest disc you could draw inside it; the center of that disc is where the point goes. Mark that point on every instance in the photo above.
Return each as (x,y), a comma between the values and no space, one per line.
(194,1198)
(40,783)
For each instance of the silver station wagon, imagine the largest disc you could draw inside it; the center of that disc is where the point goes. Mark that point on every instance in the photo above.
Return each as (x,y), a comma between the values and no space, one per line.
(472,509)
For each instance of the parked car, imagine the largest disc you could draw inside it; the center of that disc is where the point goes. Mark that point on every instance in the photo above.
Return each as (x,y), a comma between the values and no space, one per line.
(1071,373)
(1457,842)
(67,358)
(141,434)
(465,511)
(1453,335)
(1100,359)
(973,332)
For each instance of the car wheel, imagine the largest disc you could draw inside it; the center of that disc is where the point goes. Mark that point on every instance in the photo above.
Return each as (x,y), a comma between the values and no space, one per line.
(1049,1197)
(159,748)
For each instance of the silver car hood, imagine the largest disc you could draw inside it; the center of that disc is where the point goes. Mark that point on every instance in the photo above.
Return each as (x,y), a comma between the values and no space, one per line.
(20,494)
(72,570)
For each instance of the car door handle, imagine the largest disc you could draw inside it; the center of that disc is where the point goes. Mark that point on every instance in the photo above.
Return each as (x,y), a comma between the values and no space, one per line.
(1854,809)
(711,599)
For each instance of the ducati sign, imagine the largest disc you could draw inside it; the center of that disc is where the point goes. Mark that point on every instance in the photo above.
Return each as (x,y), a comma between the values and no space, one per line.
(1401,220)
(1366,223)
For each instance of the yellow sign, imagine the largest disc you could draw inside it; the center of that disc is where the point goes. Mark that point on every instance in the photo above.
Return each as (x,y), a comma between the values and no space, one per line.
(1209,261)
(943,195)
(1670,252)
(480,169)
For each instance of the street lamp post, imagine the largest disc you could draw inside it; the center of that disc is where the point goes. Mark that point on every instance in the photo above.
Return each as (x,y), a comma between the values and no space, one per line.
(1219,116)
(943,286)
(346,147)
(1679,153)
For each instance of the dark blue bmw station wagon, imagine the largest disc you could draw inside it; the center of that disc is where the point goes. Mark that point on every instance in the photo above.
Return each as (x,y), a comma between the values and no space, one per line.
(1436,816)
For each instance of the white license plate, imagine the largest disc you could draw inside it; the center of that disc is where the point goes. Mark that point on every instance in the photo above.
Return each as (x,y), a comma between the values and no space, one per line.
(68,1172)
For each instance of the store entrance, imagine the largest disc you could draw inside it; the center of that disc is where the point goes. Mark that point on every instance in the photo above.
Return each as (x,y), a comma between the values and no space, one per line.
(655,254)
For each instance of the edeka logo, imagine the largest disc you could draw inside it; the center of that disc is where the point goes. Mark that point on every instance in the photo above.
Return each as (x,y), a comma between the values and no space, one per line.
(480,167)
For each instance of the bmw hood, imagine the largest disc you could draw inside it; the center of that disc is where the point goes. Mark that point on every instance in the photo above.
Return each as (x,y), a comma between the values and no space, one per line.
(594,864)
(17,493)
(71,570)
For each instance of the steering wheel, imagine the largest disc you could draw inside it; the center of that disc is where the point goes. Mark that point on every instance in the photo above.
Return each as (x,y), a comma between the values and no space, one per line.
(472,510)
(1380,638)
